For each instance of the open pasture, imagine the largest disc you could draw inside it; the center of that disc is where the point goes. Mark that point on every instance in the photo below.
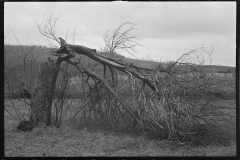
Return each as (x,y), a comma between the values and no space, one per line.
(96,140)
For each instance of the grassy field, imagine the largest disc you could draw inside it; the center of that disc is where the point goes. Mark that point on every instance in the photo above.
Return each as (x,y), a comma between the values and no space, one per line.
(72,141)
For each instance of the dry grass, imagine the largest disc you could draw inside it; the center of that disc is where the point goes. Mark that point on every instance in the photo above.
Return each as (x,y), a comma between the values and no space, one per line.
(70,141)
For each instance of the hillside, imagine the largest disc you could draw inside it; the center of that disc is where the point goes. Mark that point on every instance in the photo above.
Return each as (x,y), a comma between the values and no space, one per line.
(215,68)
(141,63)
(14,53)
(152,64)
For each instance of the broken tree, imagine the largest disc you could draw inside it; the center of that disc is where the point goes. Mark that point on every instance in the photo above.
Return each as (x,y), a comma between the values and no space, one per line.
(66,52)
(167,101)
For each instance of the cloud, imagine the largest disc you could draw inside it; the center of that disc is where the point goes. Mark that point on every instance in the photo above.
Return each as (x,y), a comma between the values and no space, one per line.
(155,19)
(163,19)
(166,28)
(182,19)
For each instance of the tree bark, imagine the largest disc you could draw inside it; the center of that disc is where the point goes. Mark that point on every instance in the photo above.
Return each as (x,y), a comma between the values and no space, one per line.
(44,94)
(56,67)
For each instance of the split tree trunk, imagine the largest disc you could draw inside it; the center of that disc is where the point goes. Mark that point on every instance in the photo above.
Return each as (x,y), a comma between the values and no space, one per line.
(42,104)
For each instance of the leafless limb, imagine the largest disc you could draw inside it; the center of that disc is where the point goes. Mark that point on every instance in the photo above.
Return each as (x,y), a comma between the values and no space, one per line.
(120,39)
(48,28)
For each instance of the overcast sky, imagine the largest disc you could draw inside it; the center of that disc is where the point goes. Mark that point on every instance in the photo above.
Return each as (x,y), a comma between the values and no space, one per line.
(166,29)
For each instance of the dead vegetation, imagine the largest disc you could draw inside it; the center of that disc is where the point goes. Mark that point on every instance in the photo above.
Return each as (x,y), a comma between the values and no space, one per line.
(166,101)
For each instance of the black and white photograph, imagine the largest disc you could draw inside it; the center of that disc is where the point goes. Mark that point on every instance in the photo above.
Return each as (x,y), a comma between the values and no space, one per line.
(120,79)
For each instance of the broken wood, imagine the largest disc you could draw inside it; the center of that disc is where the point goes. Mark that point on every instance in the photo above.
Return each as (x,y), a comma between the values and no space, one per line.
(66,51)
(70,51)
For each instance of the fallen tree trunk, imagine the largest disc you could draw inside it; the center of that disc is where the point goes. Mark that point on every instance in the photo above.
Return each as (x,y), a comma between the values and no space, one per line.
(67,51)
(42,107)
(73,50)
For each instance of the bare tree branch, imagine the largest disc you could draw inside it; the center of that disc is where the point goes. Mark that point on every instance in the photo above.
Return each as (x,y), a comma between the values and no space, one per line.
(120,39)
